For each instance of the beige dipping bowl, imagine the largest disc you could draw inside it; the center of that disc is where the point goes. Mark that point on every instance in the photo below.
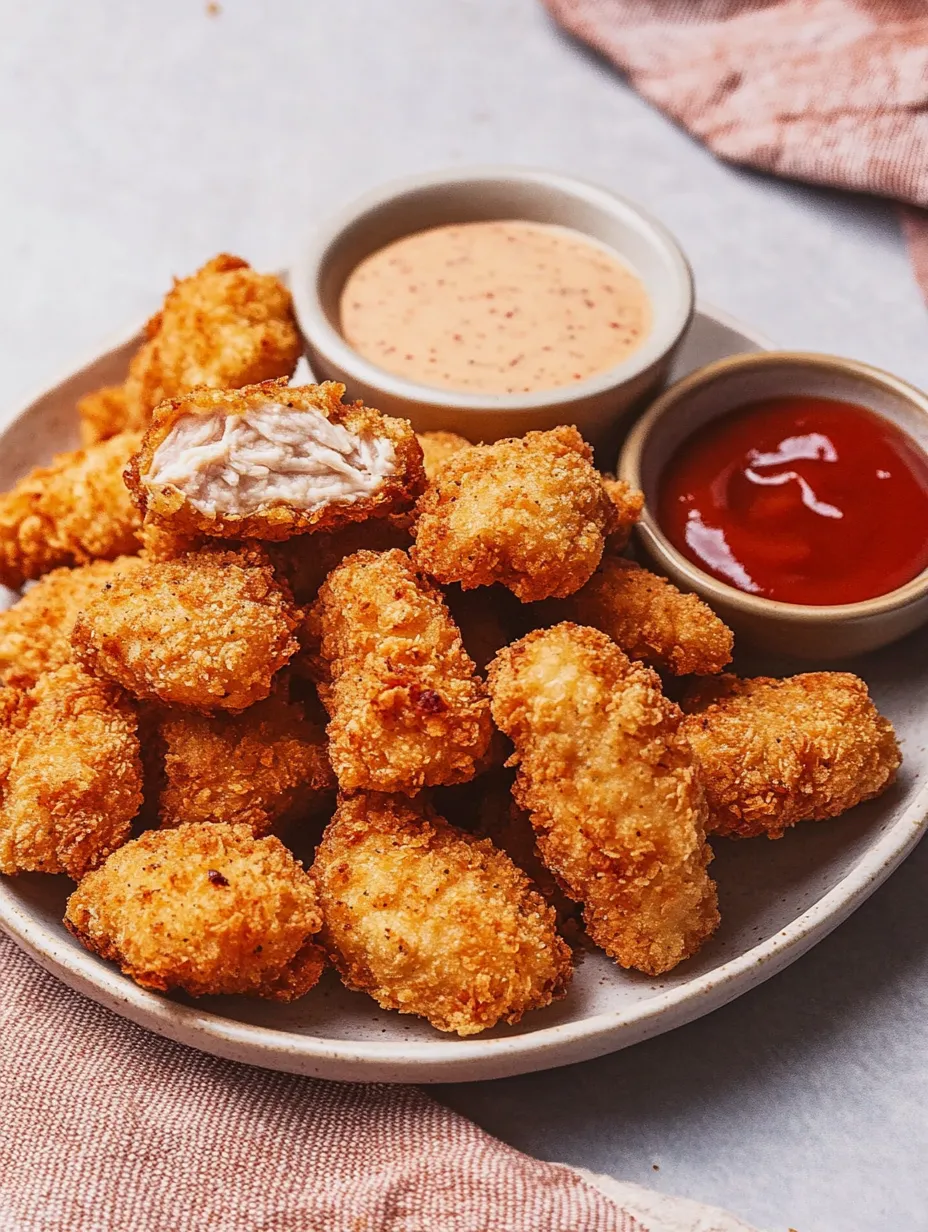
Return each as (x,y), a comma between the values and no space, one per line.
(595,405)
(799,630)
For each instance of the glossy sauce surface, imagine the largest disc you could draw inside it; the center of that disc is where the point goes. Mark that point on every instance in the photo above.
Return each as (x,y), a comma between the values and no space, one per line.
(799,499)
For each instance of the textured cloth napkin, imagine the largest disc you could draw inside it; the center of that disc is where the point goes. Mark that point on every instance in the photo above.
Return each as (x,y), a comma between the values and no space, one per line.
(104,1128)
(828,91)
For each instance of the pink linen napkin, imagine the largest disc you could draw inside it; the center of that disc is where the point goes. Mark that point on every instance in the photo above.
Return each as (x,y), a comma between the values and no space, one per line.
(829,91)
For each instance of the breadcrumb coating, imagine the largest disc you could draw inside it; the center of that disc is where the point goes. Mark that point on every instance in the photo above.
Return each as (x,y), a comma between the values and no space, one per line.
(530,512)
(407,708)
(35,633)
(431,921)
(206,908)
(777,752)
(71,512)
(71,774)
(613,792)
(650,619)
(207,630)
(264,767)
(629,504)
(224,326)
(270,461)
(437,447)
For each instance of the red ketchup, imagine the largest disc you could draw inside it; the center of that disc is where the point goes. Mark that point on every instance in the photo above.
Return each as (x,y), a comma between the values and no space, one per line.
(800,499)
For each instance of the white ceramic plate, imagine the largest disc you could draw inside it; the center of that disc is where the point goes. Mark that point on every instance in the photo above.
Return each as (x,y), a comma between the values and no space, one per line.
(777,899)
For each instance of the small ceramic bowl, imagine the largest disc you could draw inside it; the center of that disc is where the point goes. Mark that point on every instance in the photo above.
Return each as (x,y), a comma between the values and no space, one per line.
(406,206)
(800,630)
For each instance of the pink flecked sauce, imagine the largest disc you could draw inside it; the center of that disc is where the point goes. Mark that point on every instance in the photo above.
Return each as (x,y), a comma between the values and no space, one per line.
(503,307)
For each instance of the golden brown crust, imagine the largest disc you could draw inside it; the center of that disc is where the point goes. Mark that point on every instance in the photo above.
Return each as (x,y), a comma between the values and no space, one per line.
(629,504)
(205,908)
(777,752)
(71,774)
(207,630)
(406,706)
(264,767)
(166,504)
(431,921)
(613,792)
(437,447)
(650,619)
(73,511)
(224,326)
(530,512)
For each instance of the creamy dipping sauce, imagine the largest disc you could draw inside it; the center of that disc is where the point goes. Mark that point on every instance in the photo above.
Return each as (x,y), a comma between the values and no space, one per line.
(503,307)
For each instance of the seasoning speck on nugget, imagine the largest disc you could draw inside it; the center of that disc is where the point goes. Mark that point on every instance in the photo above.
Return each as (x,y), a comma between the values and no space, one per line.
(776,752)
(650,619)
(530,512)
(73,511)
(406,706)
(613,792)
(207,630)
(70,774)
(270,461)
(264,767)
(205,908)
(431,921)
(224,326)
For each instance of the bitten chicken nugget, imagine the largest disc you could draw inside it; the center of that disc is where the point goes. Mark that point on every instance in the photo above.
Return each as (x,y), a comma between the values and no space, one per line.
(628,503)
(70,774)
(776,752)
(439,446)
(73,511)
(406,706)
(207,630)
(264,767)
(270,461)
(432,921)
(224,326)
(35,633)
(648,618)
(613,792)
(530,512)
(206,908)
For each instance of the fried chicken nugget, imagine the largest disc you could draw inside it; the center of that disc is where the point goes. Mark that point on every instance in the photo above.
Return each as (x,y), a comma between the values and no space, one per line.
(650,619)
(70,774)
(73,511)
(265,767)
(437,447)
(206,908)
(207,630)
(270,461)
(776,752)
(407,708)
(628,503)
(613,792)
(224,326)
(432,921)
(530,512)
(35,633)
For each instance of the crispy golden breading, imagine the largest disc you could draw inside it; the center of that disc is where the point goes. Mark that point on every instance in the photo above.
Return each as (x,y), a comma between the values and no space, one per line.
(207,908)
(271,461)
(68,513)
(207,630)
(35,633)
(432,921)
(439,446)
(407,708)
(775,752)
(223,327)
(613,792)
(264,767)
(305,561)
(629,503)
(71,774)
(529,512)
(648,618)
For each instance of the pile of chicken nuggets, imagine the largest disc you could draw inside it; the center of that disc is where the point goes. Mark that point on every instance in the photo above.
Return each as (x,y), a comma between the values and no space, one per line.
(262,621)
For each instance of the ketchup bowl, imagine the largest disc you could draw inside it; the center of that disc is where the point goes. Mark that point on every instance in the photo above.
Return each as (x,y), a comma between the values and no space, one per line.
(766,541)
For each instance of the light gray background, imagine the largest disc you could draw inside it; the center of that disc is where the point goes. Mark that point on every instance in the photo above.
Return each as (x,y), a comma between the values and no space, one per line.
(138,139)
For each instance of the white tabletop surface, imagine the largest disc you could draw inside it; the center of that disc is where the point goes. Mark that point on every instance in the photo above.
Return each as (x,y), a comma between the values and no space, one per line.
(138,139)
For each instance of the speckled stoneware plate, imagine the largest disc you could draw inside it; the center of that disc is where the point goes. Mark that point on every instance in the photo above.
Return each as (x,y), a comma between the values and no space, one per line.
(777,899)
